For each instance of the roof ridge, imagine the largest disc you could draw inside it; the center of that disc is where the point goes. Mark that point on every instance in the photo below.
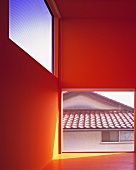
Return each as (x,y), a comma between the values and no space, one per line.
(68,95)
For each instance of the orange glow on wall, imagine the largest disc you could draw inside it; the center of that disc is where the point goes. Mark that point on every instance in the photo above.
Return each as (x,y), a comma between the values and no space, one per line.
(29,106)
(56,144)
(94,54)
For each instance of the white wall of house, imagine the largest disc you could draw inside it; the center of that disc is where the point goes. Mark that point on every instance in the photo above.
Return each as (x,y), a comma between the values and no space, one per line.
(83,102)
(90,141)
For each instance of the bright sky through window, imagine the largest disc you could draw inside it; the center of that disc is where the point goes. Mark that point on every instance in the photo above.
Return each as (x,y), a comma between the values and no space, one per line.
(30,27)
(122,97)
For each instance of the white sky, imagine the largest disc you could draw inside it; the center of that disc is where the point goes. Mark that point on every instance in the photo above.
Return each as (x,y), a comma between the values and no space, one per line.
(122,97)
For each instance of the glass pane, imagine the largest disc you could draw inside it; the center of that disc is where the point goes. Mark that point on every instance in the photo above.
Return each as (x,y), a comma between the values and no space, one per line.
(30,27)
(105,136)
(110,136)
(127,136)
(114,136)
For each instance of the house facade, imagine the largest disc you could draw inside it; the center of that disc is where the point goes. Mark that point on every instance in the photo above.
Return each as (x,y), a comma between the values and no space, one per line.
(94,123)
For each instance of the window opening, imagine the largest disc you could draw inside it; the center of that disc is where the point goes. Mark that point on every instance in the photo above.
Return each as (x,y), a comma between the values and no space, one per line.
(110,136)
(126,136)
(95,121)
(31,28)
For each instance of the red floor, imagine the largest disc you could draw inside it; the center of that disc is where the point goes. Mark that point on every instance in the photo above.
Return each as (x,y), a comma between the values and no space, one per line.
(116,161)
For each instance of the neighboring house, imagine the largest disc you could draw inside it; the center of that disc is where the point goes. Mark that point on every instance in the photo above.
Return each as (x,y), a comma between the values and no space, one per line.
(94,123)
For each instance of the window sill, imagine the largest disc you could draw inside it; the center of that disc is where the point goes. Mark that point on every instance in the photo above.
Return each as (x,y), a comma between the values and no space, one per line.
(124,142)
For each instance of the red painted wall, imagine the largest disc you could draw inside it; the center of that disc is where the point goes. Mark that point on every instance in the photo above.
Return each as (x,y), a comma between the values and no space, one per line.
(98,53)
(29,106)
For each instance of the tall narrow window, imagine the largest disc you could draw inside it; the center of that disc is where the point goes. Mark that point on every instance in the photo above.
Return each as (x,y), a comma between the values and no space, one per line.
(30,27)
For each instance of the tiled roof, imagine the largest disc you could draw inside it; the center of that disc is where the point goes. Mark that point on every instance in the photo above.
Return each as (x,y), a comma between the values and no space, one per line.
(103,119)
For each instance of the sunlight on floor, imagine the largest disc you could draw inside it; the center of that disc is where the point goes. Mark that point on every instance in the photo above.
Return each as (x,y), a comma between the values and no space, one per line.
(80,155)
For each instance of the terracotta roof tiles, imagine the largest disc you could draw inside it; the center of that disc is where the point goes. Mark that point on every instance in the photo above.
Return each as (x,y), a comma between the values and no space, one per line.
(103,119)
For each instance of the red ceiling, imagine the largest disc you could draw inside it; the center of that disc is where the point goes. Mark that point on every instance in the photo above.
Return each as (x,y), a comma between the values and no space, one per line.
(97,8)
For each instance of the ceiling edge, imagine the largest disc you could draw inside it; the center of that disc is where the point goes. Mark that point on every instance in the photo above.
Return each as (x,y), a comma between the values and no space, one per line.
(53,6)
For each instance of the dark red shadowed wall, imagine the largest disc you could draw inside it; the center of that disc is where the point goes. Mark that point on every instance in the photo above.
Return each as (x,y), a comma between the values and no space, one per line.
(28,106)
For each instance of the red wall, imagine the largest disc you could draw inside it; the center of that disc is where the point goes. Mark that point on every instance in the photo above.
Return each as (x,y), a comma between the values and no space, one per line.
(98,53)
(29,106)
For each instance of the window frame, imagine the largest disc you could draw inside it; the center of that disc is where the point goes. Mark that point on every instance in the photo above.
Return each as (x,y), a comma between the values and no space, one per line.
(26,44)
(119,141)
(52,16)
(63,90)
